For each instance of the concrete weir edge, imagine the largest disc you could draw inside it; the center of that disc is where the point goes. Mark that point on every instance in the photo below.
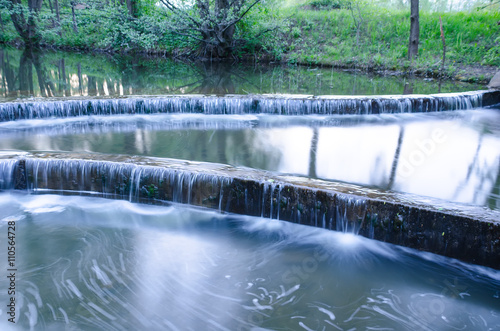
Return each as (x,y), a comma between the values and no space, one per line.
(467,233)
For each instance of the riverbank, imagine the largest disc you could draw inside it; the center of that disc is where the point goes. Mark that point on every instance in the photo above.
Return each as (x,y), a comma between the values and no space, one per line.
(377,41)
(477,74)
(358,37)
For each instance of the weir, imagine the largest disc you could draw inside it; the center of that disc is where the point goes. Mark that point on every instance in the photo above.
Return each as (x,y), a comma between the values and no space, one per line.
(249,104)
(127,200)
(468,233)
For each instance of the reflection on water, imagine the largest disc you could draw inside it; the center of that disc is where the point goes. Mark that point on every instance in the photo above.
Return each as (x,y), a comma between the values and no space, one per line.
(453,155)
(47,74)
(113,265)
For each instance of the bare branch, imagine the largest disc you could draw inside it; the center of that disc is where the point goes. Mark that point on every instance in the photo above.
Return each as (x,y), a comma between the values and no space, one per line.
(242,15)
(210,22)
(266,31)
(179,12)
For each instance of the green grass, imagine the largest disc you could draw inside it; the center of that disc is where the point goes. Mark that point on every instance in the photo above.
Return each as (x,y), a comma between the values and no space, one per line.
(329,37)
(310,32)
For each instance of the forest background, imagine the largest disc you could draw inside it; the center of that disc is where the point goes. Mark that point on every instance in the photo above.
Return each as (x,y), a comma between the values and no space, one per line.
(457,39)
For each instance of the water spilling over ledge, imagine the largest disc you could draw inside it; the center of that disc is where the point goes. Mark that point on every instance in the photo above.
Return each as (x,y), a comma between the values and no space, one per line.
(248,104)
(465,232)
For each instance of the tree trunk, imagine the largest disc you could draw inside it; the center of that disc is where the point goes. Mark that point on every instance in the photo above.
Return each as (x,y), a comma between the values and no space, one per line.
(50,6)
(414,30)
(132,8)
(444,44)
(80,79)
(9,76)
(34,7)
(4,84)
(26,27)
(217,35)
(92,86)
(214,29)
(394,168)
(54,24)
(25,74)
(75,27)
(313,152)
(58,17)
(1,24)
(227,34)
(56,7)
(46,86)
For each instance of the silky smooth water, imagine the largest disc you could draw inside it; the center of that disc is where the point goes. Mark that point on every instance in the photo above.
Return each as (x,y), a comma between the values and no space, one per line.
(450,155)
(94,264)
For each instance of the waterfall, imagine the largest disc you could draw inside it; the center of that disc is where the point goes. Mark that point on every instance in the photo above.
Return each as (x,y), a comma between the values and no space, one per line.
(387,216)
(225,189)
(350,214)
(124,181)
(283,105)
(7,173)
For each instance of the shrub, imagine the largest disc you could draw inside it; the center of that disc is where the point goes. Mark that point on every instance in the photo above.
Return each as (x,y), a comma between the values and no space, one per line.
(326,4)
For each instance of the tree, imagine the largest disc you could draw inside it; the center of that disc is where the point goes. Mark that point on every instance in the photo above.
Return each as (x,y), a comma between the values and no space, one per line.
(25,20)
(132,8)
(211,23)
(414,30)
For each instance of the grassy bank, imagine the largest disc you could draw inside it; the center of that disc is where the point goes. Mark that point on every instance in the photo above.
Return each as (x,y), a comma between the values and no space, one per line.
(378,40)
(319,32)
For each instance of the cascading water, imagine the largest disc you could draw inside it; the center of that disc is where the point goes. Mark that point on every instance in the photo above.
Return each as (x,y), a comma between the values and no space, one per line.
(90,263)
(7,174)
(335,206)
(123,181)
(137,182)
(350,213)
(289,105)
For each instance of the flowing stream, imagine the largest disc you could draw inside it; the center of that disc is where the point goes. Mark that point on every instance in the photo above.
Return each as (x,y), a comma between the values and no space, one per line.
(88,263)
(453,156)
(114,265)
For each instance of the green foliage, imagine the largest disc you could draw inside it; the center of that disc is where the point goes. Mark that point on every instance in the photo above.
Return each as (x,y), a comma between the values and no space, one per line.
(356,34)
(493,54)
(123,32)
(327,4)
(262,32)
(377,38)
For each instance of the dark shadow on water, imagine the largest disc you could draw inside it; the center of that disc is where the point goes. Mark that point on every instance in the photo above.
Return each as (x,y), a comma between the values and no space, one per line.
(215,78)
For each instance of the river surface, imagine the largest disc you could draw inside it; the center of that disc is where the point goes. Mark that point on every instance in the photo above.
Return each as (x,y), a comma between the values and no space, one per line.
(93,264)
(96,264)
(453,156)
(61,74)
